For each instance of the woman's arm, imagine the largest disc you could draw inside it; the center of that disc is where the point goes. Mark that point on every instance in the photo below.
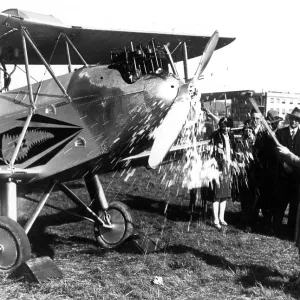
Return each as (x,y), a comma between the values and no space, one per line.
(211,116)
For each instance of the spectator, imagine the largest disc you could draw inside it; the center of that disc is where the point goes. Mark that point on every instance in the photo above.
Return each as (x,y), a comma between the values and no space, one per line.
(287,185)
(248,134)
(222,142)
(211,115)
(273,119)
(293,160)
(246,182)
(267,169)
(256,121)
(263,171)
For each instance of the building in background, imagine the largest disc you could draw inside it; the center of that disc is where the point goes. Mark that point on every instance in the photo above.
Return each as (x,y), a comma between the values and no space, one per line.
(237,105)
(234,104)
(282,102)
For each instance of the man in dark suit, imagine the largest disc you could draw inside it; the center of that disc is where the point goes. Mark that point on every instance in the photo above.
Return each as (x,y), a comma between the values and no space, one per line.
(287,185)
(255,121)
(267,170)
(293,160)
(260,170)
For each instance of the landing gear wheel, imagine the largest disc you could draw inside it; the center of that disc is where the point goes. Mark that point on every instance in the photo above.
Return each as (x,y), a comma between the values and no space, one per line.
(14,245)
(122,226)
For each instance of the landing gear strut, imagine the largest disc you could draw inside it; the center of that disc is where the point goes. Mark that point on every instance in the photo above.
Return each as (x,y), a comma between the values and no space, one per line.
(113,222)
(115,214)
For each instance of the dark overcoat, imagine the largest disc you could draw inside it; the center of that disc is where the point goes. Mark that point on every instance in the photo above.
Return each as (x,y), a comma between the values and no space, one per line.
(219,147)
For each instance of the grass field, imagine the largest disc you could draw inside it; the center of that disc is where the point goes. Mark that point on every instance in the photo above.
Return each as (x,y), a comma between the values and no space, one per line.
(193,259)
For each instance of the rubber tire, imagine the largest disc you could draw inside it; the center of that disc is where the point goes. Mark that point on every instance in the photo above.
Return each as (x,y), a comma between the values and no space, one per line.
(119,212)
(22,244)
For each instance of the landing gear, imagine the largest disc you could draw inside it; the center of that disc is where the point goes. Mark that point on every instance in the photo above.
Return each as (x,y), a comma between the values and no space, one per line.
(113,222)
(14,245)
(116,221)
(122,226)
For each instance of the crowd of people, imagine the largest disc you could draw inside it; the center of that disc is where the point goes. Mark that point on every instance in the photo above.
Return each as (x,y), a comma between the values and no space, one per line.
(269,180)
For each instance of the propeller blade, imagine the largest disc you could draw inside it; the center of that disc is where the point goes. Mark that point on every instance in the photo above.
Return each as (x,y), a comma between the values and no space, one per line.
(208,52)
(176,117)
(168,131)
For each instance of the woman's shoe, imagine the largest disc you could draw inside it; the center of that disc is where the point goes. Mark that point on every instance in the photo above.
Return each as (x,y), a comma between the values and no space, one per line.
(217,225)
(223,223)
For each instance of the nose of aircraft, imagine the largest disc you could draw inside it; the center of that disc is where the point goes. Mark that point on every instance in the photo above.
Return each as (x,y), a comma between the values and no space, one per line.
(171,126)
(161,92)
(178,113)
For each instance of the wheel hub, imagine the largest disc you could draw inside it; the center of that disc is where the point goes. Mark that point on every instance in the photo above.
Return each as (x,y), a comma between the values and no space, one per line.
(122,226)
(117,227)
(1,249)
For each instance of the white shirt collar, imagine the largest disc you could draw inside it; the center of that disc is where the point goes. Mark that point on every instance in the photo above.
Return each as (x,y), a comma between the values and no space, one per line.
(256,129)
(293,130)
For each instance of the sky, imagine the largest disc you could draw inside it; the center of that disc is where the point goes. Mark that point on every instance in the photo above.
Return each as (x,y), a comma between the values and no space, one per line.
(265,55)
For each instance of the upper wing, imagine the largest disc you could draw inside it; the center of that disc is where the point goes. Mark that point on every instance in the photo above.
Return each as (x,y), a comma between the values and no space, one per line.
(93,44)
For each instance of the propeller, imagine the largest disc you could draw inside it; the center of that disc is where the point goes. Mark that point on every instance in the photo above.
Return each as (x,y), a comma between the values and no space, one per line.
(170,128)
(178,113)
(207,54)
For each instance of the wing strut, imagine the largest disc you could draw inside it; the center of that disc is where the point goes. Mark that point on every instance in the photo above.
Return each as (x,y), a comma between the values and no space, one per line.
(20,140)
(27,37)
(185,63)
(74,48)
(171,61)
(32,108)
(68,56)
(27,69)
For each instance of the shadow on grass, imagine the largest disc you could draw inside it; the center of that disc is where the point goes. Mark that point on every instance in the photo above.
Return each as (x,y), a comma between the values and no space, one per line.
(248,275)
(178,211)
(43,242)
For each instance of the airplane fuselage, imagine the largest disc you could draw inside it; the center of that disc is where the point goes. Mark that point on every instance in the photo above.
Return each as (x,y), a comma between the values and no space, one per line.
(107,120)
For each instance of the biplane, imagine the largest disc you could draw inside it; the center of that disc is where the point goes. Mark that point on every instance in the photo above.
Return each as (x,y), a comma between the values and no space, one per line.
(96,118)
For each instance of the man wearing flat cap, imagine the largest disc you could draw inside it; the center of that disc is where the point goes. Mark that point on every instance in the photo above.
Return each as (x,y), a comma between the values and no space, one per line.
(287,185)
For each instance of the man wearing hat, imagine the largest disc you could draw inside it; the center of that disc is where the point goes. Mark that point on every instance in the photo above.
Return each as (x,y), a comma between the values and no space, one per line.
(262,171)
(273,119)
(287,185)
(267,176)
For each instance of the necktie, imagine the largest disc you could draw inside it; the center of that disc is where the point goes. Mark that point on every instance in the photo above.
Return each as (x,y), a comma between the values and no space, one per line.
(293,134)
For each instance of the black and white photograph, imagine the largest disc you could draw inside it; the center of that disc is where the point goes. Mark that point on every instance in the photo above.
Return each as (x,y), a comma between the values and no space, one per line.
(149,150)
